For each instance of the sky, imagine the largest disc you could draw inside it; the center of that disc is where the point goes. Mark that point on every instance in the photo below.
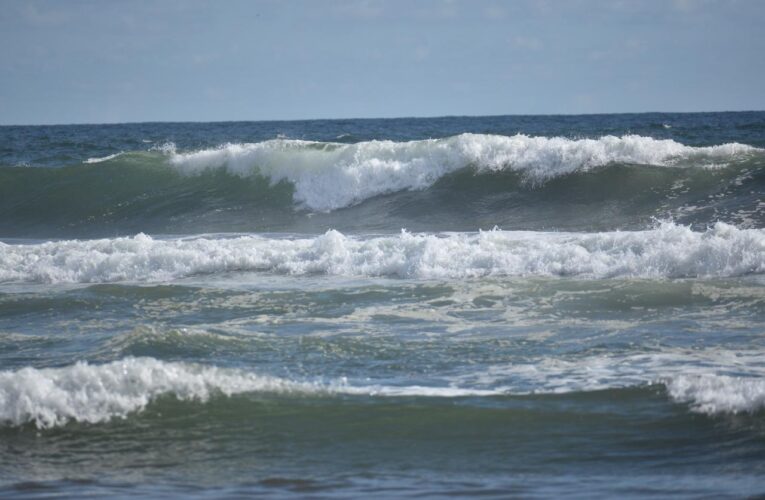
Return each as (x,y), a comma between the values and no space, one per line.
(101,61)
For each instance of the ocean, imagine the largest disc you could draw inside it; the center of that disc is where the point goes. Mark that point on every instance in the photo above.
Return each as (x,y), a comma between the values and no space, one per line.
(530,306)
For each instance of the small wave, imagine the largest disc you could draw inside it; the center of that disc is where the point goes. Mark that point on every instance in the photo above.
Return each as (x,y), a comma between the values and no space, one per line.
(710,381)
(52,397)
(328,176)
(151,338)
(669,251)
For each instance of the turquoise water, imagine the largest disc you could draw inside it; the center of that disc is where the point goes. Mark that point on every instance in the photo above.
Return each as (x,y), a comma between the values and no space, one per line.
(495,306)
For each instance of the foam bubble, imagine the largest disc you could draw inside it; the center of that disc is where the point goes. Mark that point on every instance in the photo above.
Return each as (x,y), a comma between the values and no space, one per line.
(328,176)
(669,251)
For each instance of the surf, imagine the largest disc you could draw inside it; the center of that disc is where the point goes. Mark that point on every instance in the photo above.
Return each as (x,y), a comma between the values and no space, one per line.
(329,176)
(668,251)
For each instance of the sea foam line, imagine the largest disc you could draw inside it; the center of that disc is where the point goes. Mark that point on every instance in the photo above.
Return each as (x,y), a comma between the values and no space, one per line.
(103,159)
(52,397)
(329,176)
(668,251)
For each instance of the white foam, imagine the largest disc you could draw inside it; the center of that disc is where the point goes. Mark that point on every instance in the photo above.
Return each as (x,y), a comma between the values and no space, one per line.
(712,381)
(168,148)
(328,176)
(82,392)
(51,397)
(669,251)
(718,394)
(105,158)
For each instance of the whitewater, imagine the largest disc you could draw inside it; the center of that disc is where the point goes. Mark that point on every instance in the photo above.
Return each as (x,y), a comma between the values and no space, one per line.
(668,251)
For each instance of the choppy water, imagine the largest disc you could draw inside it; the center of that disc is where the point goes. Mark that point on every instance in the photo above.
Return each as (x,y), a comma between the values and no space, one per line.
(528,306)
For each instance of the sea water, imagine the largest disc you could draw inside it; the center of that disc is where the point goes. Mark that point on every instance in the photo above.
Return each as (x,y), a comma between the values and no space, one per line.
(497,306)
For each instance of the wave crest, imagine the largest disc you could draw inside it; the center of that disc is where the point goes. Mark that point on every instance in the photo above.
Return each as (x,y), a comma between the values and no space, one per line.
(328,176)
(51,397)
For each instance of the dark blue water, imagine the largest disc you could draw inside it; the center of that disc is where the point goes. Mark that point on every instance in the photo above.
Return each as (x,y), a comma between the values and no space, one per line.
(527,306)
(59,145)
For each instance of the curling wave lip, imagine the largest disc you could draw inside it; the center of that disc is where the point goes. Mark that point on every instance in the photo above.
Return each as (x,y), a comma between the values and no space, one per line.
(328,176)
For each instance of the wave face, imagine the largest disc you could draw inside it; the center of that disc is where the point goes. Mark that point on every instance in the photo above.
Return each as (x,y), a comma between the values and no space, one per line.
(456,183)
(670,251)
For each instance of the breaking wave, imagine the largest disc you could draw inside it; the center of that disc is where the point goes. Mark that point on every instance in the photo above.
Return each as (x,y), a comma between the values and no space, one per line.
(457,183)
(328,176)
(51,397)
(668,251)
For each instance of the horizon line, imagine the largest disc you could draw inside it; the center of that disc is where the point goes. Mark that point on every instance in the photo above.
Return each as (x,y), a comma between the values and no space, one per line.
(432,117)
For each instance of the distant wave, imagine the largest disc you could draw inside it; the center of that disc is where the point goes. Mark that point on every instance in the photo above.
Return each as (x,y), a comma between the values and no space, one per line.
(669,251)
(51,397)
(328,176)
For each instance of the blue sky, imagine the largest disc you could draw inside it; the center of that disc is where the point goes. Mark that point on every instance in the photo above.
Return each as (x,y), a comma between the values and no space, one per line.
(186,60)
